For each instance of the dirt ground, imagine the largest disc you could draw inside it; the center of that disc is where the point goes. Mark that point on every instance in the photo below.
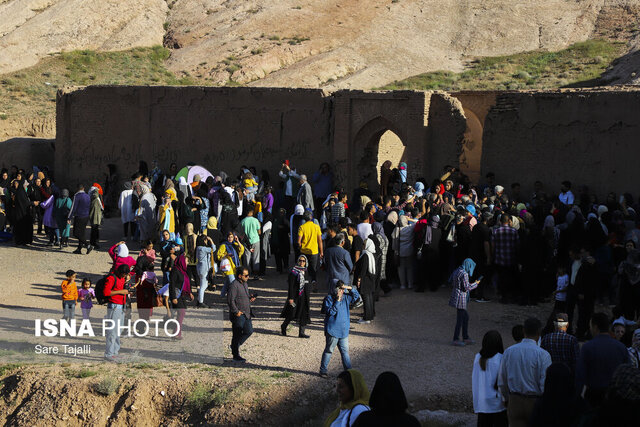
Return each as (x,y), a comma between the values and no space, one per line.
(411,334)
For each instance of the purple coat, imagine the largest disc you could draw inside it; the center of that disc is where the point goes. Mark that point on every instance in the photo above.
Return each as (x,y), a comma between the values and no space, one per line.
(48,220)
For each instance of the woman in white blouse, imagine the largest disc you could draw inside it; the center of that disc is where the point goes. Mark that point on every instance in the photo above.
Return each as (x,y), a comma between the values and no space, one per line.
(487,400)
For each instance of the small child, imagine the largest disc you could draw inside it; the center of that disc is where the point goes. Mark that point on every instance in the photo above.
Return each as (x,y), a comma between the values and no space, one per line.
(148,251)
(69,296)
(228,271)
(164,291)
(560,293)
(146,292)
(86,294)
(250,184)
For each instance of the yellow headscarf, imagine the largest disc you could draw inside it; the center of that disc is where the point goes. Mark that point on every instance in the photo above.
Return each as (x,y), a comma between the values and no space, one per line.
(360,396)
(172,193)
(212,224)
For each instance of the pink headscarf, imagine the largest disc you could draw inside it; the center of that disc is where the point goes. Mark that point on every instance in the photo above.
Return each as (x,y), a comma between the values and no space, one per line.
(181,265)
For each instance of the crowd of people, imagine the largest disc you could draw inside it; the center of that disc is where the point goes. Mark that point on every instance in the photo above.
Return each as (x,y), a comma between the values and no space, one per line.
(480,239)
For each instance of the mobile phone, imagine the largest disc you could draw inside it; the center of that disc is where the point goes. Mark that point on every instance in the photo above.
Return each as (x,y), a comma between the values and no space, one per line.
(479,279)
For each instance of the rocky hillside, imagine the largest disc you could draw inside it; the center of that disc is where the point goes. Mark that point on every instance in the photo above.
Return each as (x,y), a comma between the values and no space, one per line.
(306,43)
(357,44)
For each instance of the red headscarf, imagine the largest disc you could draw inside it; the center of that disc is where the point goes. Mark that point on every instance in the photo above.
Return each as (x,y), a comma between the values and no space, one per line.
(181,265)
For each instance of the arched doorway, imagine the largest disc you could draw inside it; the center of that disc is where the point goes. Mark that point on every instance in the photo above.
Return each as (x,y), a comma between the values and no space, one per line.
(390,147)
(377,141)
(471,155)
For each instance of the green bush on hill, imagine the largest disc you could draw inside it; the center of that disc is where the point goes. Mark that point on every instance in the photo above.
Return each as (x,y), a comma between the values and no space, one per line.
(580,64)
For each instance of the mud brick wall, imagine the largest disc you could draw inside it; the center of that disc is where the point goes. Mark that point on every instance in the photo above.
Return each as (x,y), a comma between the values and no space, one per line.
(590,137)
(218,128)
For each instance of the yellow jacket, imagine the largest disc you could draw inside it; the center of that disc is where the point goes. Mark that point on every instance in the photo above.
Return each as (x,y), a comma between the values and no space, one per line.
(222,252)
(161,217)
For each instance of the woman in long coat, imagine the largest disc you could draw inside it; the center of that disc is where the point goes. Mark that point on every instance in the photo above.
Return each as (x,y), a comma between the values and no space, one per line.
(297,305)
(146,214)
(365,276)
(22,215)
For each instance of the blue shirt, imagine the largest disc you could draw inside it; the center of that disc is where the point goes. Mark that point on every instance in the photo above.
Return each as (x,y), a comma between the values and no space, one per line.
(523,369)
(336,319)
(339,265)
(597,361)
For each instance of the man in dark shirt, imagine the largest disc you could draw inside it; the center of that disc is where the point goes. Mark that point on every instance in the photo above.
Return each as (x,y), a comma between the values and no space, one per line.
(561,346)
(239,301)
(481,253)
(598,359)
(357,245)
(338,263)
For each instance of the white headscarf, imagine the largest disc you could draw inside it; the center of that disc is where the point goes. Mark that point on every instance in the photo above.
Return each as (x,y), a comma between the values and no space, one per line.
(122,251)
(299,210)
(369,250)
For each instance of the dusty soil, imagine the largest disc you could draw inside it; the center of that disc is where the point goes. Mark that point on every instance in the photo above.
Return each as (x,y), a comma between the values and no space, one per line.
(410,336)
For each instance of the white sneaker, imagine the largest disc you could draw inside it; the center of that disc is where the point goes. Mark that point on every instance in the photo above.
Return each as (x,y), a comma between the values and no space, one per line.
(364,322)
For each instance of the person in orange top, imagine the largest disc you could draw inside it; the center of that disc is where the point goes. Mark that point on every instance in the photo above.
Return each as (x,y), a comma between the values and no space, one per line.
(69,296)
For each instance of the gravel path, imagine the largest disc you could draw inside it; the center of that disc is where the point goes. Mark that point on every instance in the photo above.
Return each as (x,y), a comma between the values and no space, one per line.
(411,334)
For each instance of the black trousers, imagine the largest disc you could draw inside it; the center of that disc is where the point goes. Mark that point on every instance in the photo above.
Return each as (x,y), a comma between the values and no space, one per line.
(498,419)
(79,231)
(242,329)
(282,261)
(95,234)
(585,311)
(313,265)
(369,305)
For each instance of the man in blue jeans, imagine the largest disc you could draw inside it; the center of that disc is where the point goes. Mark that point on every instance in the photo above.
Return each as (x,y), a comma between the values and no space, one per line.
(336,324)
(116,293)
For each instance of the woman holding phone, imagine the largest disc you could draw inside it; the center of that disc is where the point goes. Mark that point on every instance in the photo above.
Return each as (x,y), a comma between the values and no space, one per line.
(459,299)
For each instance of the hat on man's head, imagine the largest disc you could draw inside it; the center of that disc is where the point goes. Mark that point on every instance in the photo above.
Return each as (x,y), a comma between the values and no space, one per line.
(561,317)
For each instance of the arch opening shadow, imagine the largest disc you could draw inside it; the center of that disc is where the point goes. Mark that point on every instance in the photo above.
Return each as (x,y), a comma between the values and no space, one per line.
(471,155)
(377,141)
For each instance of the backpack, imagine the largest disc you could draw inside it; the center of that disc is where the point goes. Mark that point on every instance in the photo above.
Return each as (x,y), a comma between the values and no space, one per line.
(99,291)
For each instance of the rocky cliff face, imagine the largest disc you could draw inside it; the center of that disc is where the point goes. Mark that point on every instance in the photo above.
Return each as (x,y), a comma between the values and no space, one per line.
(306,43)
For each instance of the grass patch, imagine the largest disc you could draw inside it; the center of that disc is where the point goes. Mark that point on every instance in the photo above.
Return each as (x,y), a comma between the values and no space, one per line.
(85,373)
(581,64)
(274,38)
(107,386)
(202,397)
(284,374)
(297,40)
(232,68)
(32,91)
(6,368)
(256,51)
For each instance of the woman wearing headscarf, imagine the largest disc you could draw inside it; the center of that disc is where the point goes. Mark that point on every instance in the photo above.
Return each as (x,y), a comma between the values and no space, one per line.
(391,268)
(364,276)
(431,254)
(229,254)
(166,217)
(146,214)
(487,399)
(629,273)
(296,220)
(280,244)
(204,253)
(459,299)
(61,209)
(354,399)
(229,217)
(179,290)
(212,230)
(119,253)
(190,252)
(96,209)
(50,225)
(297,305)
(22,220)
(388,405)
(127,213)
(382,247)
